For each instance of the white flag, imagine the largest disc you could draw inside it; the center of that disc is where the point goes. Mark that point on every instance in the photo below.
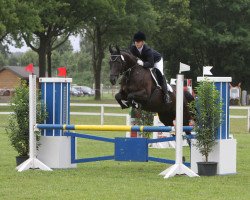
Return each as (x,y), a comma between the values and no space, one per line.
(172,81)
(184,67)
(206,70)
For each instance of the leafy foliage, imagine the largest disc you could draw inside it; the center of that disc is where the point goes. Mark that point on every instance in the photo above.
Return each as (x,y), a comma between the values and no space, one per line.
(18,127)
(8,17)
(143,118)
(206,111)
(198,33)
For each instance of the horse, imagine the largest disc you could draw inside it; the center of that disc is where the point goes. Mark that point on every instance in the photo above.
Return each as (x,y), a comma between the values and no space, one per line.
(139,89)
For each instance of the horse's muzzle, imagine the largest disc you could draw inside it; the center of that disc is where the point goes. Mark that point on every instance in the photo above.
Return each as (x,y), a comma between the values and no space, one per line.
(113,79)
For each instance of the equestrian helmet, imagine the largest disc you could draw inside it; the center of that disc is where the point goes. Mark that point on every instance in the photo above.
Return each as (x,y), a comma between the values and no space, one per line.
(139,36)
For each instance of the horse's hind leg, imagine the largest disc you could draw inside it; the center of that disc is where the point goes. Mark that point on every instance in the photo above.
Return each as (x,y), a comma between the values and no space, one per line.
(167,118)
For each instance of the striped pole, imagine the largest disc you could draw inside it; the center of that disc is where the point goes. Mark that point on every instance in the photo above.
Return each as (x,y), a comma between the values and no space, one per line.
(111,127)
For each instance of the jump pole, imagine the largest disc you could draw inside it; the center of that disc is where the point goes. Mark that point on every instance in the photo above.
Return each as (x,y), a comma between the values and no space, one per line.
(32,162)
(178,168)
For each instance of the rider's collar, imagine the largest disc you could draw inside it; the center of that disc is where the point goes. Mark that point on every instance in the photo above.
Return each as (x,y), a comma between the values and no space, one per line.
(140,49)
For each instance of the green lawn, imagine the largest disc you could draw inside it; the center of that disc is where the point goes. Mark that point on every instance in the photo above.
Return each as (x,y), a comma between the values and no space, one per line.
(121,180)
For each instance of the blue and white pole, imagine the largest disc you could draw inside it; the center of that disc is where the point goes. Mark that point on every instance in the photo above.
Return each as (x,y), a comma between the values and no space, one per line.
(55,149)
(56,97)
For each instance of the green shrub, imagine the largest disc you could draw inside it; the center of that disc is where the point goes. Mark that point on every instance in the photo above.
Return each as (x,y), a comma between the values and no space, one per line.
(143,118)
(18,127)
(206,110)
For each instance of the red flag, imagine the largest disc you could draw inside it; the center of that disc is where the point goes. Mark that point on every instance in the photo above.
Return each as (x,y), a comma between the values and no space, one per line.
(62,71)
(29,68)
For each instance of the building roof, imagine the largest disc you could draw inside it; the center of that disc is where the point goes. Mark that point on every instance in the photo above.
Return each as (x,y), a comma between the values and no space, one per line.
(20,71)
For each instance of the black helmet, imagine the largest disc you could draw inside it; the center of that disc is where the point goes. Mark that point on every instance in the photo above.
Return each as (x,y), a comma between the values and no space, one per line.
(139,36)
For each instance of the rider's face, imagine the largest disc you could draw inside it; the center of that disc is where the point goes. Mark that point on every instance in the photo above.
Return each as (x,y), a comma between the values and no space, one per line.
(139,44)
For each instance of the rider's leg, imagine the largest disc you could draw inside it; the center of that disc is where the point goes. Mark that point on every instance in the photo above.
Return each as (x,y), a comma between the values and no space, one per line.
(159,66)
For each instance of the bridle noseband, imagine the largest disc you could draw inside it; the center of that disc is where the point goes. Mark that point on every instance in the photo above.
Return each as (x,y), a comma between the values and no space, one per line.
(122,62)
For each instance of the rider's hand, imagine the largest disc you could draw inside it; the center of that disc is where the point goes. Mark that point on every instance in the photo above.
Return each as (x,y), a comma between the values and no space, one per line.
(140,62)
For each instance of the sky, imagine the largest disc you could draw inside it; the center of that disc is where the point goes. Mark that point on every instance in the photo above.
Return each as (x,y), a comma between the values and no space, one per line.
(75,41)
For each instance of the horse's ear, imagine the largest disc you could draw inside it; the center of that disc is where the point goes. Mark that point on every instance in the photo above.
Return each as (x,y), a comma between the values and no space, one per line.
(117,49)
(110,49)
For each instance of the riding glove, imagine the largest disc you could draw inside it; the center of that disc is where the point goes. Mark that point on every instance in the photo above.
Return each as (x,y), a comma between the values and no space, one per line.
(140,62)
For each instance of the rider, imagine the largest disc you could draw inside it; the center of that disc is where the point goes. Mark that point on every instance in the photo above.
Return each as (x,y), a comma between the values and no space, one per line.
(149,58)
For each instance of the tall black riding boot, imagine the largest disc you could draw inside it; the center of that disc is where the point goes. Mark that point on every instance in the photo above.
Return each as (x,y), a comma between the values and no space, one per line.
(167,98)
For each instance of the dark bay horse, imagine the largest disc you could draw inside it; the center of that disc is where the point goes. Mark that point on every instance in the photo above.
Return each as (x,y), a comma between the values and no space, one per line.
(139,89)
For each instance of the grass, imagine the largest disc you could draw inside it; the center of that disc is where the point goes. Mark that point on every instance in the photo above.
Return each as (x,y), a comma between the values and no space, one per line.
(121,180)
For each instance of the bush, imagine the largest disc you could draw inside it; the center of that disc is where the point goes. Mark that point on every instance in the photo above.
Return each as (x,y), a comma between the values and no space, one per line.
(206,110)
(143,118)
(18,127)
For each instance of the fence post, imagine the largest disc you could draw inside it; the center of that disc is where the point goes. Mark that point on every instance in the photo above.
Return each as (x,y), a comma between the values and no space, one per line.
(102,114)
(248,119)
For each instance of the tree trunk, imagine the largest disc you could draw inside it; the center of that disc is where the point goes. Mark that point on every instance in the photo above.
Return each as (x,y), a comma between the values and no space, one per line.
(42,57)
(98,55)
(97,85)
(49,63)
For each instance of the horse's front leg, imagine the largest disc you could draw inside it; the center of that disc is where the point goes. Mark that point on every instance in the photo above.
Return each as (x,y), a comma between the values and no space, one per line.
(121,98)
(135,98)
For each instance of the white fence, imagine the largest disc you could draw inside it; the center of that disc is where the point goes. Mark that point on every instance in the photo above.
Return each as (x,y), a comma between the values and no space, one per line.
(102,113)
(240,116)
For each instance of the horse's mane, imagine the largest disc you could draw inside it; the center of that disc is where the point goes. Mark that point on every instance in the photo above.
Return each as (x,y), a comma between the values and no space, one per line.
(129,53)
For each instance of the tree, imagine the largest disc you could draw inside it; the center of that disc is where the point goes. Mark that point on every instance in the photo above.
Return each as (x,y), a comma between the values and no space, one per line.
(202,33)
(220,37)
(115,22)
(3,55)
(170,39)
(8,18)
(28,57)
(57,18)
(16,16)
(3,60)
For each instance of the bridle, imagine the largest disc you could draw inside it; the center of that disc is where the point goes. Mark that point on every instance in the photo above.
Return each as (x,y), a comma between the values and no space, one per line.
(122,61)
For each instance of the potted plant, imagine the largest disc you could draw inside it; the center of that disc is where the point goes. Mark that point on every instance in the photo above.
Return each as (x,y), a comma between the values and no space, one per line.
(206,110)
(18,126)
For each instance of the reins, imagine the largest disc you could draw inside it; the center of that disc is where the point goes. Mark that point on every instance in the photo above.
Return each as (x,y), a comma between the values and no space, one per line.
(124,73)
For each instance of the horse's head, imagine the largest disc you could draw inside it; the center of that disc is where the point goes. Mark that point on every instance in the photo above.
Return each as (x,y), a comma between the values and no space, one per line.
(117,64)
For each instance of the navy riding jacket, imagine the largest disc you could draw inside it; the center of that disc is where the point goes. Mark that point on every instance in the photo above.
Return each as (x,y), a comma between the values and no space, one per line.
(148,55)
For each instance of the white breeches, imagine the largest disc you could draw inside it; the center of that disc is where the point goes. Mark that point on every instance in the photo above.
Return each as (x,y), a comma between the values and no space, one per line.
(159,65)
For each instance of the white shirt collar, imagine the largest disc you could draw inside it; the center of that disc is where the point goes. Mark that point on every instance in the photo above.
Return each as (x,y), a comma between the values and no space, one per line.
(140,49)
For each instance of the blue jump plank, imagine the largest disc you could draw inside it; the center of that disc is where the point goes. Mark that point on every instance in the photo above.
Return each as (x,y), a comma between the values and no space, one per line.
(94,159)
(168,161)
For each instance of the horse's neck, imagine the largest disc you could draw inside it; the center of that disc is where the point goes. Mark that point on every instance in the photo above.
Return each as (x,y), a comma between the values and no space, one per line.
(130,60)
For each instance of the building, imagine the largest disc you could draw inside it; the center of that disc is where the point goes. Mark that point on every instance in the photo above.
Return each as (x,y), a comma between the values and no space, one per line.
(10,78)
